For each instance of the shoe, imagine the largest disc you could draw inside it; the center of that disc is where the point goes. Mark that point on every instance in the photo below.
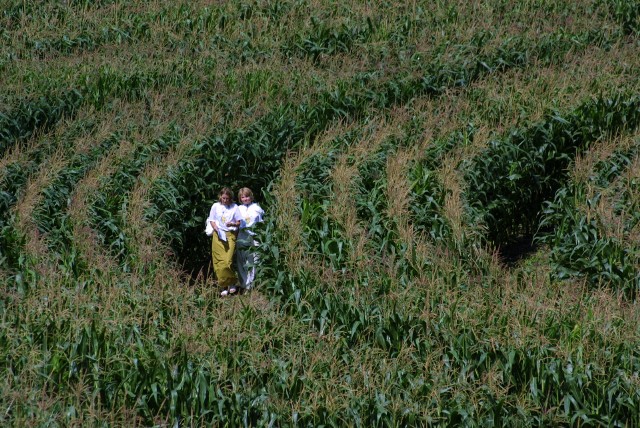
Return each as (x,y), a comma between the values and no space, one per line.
(224,293)
(233,290)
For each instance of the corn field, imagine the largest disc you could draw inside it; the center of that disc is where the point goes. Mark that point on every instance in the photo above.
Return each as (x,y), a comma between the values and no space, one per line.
(452,197)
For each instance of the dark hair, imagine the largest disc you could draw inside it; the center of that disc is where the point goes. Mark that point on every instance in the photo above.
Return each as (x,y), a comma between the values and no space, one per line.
(225,191)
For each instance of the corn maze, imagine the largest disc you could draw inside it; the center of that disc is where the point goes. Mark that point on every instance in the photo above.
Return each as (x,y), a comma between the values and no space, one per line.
(452,197)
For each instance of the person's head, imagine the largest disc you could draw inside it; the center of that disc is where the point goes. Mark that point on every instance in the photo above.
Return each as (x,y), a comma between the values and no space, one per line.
(245,196)
(225,197)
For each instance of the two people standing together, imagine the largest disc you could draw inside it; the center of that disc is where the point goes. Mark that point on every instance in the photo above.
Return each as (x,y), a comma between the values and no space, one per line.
(230,225)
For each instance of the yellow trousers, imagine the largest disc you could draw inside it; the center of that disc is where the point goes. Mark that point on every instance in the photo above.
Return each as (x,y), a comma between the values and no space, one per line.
(222,255)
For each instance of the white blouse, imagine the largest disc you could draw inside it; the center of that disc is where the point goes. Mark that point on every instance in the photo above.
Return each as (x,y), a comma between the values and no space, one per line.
(251,214)
(220,215)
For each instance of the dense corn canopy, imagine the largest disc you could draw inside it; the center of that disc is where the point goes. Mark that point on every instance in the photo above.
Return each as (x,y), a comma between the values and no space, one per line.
(452,193)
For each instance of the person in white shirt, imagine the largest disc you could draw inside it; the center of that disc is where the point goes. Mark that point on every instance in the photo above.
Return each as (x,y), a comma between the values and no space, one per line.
(246,259)
(223,223)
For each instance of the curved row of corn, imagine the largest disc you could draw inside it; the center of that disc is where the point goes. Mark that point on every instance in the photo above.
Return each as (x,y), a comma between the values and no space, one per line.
(398,150)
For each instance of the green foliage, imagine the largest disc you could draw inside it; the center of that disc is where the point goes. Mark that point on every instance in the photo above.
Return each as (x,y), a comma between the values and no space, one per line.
(131,31)
(628,14)
(258,149)
(14,179)
(108,209)
(39,114)
(387,339)
(510,180)
(95,89)
(325,40)
(427,192)
(50,215)
(579,241)
(11,251)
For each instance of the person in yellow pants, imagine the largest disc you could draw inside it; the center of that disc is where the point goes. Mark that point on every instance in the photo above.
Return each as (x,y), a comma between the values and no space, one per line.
(223,222)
